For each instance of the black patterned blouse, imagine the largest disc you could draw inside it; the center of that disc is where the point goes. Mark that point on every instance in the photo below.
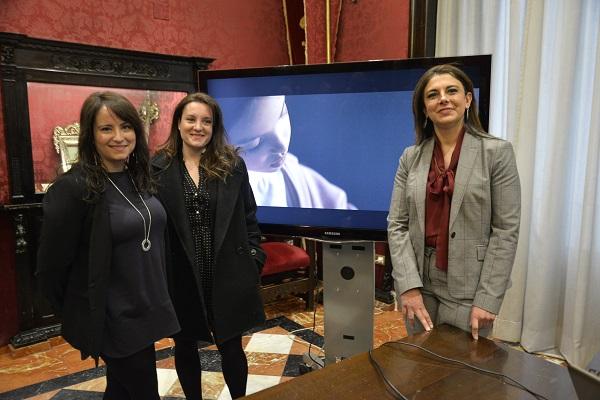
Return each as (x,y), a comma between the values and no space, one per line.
(200,204)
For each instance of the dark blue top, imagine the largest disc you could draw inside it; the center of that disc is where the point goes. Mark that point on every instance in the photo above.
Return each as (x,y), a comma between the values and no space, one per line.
(139,310)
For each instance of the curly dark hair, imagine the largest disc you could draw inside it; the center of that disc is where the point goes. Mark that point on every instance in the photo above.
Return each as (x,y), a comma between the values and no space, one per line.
(88,161)
(220,158)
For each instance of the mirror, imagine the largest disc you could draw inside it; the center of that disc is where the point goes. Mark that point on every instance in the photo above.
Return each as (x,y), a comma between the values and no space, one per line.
(54,130)
(44,84)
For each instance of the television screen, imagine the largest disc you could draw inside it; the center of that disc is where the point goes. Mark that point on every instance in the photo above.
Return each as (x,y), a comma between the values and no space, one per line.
(322,142)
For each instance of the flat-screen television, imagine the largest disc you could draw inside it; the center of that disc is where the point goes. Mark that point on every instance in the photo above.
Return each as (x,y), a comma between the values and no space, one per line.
(322,142)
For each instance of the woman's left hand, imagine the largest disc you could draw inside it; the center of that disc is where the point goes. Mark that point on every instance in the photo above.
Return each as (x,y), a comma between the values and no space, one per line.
(480,319)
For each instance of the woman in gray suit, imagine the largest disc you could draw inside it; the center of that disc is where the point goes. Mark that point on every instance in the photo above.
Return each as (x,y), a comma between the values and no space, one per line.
(453,223)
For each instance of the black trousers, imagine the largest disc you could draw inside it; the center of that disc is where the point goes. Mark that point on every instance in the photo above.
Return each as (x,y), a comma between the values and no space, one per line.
(233,363)
(133,377)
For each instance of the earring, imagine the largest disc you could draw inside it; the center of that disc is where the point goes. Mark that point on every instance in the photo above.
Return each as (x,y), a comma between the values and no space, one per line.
(467,113)
(425,124)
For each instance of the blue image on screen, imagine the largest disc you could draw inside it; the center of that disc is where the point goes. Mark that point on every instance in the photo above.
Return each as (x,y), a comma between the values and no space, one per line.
(354,140)
(351,127)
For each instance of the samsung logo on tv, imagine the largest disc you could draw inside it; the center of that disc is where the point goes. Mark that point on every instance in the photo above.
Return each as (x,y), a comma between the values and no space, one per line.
(332,233)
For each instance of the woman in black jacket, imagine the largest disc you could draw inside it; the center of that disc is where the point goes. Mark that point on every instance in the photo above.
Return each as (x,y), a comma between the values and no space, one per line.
(101,260)
(215,256)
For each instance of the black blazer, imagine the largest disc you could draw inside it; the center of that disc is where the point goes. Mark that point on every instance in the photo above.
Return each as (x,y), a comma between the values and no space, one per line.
(73,266)
(238,257)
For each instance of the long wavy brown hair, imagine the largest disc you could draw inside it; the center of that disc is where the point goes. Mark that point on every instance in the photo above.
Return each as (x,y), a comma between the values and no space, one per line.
(89,161)
(472,124)
(220,158)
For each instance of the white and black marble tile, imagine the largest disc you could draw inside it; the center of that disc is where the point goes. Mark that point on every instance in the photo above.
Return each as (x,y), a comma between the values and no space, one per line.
(53,384)
(274,344)
(292,366)
(67,394)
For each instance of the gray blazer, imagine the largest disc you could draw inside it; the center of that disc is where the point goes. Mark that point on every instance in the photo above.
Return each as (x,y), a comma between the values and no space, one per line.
(484,220)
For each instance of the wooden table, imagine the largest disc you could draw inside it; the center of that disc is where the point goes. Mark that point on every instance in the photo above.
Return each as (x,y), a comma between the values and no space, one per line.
(420,376)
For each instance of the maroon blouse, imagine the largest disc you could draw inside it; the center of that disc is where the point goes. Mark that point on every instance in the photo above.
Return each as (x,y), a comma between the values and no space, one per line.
(440,186)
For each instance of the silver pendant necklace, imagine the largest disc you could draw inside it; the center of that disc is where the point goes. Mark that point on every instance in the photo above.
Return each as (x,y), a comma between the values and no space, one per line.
(146,242)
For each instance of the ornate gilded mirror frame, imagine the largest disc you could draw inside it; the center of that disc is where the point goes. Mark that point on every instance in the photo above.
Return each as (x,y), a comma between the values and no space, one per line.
(65,142)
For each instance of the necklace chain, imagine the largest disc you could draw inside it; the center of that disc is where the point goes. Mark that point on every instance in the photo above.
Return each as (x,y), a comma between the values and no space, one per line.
(146,244)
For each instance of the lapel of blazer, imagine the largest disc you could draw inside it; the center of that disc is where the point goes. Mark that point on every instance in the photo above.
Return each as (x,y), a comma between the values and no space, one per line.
(421,181)
(227,194)
(171,195)
(468,155)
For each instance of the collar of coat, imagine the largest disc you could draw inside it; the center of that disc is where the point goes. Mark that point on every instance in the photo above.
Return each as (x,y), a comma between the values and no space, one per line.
(167,170)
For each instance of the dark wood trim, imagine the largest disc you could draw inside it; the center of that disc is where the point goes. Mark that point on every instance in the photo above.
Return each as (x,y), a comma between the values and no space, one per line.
(423,21)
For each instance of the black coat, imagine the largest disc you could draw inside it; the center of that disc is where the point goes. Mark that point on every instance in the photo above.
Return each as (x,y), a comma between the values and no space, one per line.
(73,262)
(238,257)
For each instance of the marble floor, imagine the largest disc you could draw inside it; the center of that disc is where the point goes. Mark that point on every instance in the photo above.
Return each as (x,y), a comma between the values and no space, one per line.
(54,370)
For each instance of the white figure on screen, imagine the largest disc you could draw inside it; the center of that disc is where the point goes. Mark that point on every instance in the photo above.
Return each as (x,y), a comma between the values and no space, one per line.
(261,127)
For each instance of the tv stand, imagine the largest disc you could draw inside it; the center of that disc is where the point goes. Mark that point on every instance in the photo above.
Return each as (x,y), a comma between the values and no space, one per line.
(348,298)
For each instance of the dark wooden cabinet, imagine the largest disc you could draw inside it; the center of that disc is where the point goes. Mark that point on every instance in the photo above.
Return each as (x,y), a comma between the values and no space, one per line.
(41,82)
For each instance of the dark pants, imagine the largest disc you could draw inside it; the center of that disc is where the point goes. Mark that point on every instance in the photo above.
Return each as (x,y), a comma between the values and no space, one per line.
(133,377)
(189,371)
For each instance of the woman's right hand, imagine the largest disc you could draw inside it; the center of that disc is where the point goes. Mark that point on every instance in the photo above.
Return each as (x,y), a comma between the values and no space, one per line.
(412,305)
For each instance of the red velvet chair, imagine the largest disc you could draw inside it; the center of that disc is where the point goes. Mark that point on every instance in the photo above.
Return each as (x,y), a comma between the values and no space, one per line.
(289,269)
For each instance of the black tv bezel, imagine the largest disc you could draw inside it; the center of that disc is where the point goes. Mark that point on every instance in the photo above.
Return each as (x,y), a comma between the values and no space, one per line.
(481,62)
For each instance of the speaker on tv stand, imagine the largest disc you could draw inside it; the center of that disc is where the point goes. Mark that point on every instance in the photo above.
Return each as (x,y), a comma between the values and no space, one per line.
(348,287)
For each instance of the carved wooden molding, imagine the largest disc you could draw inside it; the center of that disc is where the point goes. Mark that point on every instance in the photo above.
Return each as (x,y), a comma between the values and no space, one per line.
(20,234)
(7,55)
(279,290)
(86,59)
(81,63)
(33,336)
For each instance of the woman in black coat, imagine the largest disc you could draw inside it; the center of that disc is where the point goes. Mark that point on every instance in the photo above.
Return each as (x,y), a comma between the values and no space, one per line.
(215,257)
(101,260)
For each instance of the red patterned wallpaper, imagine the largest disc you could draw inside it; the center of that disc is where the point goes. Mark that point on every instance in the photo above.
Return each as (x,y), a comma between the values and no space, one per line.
(373,30)
(236,33)
(316,29)
(360,30)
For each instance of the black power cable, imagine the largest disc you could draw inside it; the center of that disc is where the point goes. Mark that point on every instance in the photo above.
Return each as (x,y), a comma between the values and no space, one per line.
(319,363)
(389,386)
